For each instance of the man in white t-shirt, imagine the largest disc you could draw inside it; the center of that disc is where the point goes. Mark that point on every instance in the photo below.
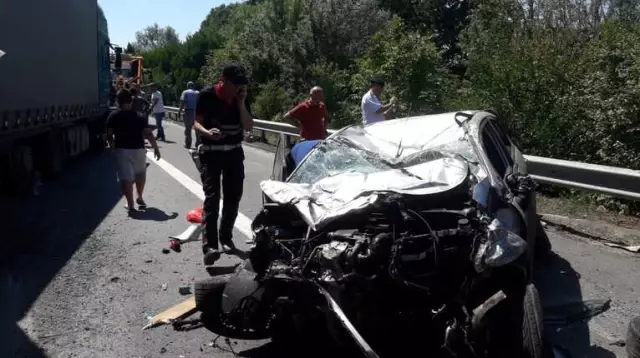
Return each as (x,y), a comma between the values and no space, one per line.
(372,109)
(188,101)
(157,107)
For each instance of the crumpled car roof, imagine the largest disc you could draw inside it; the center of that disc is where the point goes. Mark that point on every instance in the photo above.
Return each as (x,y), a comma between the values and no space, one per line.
(425,155)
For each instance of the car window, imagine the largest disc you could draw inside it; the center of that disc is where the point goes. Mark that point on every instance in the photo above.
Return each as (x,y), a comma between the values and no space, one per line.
(496,151)
(332,157)
(504,133)
(500,136)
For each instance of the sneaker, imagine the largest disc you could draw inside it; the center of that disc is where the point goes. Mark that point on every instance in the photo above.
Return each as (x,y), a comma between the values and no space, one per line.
(211,256)
(141,203)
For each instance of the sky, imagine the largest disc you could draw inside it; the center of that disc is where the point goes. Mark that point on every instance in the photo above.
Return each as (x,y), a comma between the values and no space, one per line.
(126,17)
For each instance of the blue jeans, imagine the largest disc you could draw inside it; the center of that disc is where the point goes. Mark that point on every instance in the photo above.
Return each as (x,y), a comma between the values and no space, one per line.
(159,117)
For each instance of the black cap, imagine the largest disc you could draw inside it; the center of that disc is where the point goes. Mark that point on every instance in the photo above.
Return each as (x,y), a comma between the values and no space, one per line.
(377,81)
(235,73)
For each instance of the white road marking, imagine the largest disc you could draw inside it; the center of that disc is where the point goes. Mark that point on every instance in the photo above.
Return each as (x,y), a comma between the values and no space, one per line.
(243,223)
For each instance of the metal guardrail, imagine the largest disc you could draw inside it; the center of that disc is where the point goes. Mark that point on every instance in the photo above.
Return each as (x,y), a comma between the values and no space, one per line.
(614,181)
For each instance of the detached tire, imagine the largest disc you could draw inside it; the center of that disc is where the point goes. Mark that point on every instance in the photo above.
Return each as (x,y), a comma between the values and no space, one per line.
(208,295)
(633,338)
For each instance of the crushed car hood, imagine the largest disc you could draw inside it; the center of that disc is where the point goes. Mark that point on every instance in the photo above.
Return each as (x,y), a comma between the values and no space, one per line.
(338,195)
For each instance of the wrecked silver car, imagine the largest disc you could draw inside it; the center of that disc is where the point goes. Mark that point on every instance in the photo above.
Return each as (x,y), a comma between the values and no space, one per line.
(411,235)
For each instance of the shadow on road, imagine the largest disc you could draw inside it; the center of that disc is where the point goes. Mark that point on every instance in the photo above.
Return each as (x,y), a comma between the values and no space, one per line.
(559,284)
(48,228)
(152,214)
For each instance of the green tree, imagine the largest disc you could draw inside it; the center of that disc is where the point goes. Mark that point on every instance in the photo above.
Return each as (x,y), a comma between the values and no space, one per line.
(154,36)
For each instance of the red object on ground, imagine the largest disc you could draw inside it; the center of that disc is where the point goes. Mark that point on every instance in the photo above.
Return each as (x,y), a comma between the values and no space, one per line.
(175,245)
(195,216)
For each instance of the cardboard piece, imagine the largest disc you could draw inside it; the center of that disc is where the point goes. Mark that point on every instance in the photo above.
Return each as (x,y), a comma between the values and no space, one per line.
(180,311)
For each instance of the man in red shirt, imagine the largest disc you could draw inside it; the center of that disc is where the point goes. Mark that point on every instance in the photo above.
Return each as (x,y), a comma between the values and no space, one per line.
(310,116)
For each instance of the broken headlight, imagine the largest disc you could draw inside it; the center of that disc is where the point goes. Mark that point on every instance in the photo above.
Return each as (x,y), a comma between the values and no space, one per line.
(502,247)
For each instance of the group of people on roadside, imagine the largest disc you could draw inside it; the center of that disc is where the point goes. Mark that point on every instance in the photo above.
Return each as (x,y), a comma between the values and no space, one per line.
(219,115)
(312,117)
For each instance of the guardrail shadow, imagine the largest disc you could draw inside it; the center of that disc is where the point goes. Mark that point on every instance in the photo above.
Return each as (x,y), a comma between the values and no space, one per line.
(559,285)
(48,230)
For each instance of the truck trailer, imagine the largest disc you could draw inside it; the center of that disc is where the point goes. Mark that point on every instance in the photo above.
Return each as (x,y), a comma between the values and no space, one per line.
(55,80)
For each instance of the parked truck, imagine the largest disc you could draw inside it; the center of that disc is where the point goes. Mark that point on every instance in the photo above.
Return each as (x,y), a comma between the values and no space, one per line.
(55,81)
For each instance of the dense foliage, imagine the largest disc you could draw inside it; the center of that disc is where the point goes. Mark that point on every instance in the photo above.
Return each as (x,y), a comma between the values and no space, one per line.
(564,75)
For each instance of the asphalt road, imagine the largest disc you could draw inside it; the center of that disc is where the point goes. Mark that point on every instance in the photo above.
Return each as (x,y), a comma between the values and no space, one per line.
(84,276)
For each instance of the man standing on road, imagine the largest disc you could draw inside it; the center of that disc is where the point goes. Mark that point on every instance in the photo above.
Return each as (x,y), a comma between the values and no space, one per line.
(157,105)
(222,117)
(310,116)
(188,100)
(126,132)
(372,109)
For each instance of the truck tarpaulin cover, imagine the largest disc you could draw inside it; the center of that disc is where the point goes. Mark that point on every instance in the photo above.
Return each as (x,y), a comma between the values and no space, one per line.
(348,172)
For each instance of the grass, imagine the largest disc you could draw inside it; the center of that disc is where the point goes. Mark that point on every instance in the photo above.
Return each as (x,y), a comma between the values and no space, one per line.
(575,207)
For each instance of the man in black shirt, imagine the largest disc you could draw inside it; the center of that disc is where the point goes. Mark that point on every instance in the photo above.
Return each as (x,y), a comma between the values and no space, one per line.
(222,117)
(126,131)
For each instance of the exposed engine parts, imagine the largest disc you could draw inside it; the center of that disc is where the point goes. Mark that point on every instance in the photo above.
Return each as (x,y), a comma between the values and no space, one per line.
(413,268)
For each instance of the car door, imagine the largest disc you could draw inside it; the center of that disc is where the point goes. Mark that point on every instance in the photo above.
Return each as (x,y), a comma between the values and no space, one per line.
(514,163)
(543,246)
(516,217)
(278,170)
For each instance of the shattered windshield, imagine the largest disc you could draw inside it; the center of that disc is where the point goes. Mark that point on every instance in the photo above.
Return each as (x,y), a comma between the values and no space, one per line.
(363,150)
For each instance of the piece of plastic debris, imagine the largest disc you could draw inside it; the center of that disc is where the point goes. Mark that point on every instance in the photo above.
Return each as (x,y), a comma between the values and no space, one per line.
(166,251)
(184,290)
(164,286)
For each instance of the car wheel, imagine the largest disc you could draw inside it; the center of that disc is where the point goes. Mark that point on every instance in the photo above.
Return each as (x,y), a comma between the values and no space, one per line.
(543,244)
(532,324)
(516,329)
(633,338)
